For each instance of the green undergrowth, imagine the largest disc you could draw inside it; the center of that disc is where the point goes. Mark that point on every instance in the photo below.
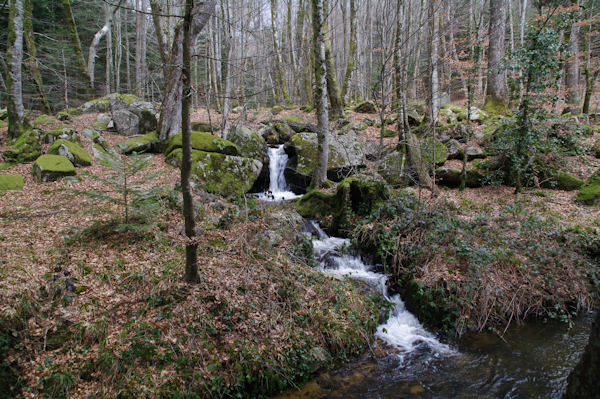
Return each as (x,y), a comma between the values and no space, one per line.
(469,269)
(260,320)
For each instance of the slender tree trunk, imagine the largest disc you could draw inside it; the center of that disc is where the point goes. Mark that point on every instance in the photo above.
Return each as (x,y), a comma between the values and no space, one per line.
(109,15)
(32,62)
(228,47)
(433,97)
(320,92)
(351,52)
(572,72)
(280,89)
(590,84)
(170,116)
(330,71)
(496,81)
(127,53)
(14,79)
(191,248)
(77,46)
(140,49)
(160,37)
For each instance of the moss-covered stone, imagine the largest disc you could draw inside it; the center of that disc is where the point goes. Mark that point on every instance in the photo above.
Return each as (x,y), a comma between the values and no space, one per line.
(65,133)
(204,142)
(74,152)
(431,147)
(366,107)
(567,182)
(345,158)
(451,177)
(276,109)
(96,105)
(394,168)
(284,131)
(356,195)
(496,107)
(52,167)
(66,114)
(298,123)
(589,193)
(222,174)
(204,127)
(11,182)
(42,119)
(250,144)
(27,148)
(146,143)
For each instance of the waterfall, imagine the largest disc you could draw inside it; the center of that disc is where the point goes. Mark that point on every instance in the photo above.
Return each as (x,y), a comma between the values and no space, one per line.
(401,330)
(278,187)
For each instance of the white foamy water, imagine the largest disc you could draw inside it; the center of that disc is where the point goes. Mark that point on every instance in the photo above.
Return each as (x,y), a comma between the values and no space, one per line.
(402,329)
(278,187)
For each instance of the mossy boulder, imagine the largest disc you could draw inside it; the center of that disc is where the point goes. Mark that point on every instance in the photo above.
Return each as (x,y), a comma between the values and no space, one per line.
(43,119)
(589,193)
(221,174)
(52,167)
(66,114)
(563,181)
(132,116)
(496,107)
(284,131)
(366,107)
(65,133)
(11,182)
(434,152)
(146,143)
(204,127)
(25,149)
(374,152)
(472,152)
(74,152)
(354,196)
(276,109)
(356,127)
(250,144)
(270,135)
(96,105)
(204,142)
(394,169)
(298,123)
(345,158)
(451,177)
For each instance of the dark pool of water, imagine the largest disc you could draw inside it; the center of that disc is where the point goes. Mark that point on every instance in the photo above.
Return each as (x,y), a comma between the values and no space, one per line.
(531,361)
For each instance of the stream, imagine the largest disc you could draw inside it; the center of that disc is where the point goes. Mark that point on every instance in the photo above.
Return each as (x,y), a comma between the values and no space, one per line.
(529,361)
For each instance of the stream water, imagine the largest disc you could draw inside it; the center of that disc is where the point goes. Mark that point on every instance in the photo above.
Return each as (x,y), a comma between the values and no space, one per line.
(529,361)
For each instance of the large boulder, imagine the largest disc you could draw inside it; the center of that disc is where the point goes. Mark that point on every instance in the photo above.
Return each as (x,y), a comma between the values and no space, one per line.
(345,158)
(203,142)
(250,144)
(96,105)
(74,152)
(394,168)
(26,148)
(131,115)
(222,174)
(204,127)
(589,193)
(433,152)
(366,107)
(284,131)
(11,182)
(298,123)
(374,151)
(146,143)
(451,177)
(64,133)
(52,167)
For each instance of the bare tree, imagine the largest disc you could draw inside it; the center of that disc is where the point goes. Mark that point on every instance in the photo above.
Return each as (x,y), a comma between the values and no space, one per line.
(496,82)
(320,93)
(14,78)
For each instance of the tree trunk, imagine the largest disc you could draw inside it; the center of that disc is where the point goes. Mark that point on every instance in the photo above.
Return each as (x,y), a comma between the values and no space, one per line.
(170,116)
(330,72)
(496,77)
(32,62)
(583,380)
(77,46)
(14,60)
(191,248)
(572,72)
(280,89)
(140,49)
(97,37)
(590,83)
(351,52)
(320,93)
(433,98)
(160,37)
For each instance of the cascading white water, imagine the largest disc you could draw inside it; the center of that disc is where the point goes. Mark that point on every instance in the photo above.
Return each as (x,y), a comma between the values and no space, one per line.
(402,329)
(278,187)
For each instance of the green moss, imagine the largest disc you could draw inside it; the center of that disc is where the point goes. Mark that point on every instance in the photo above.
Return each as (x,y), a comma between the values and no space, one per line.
(427,151)
(43,119)
(496,107)
(52,167)
(389,133)
(204,142)
(11,182)
(366,107)
(589,194)
(145,143)
(65,132)
(316,204)
(76,154)
(293,119)
(99,126)
(568,182)
(276,109)
(27,148)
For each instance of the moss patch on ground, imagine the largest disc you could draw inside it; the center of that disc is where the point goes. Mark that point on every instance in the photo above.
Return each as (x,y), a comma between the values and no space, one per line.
(589,194)
(25,149)
(11,182)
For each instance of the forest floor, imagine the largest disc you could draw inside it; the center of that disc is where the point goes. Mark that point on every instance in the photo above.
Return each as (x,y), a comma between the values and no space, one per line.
(90,310)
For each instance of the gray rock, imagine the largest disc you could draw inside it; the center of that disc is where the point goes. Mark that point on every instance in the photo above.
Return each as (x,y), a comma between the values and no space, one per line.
(373,151)
(284,131)
(394,168)
(103,119)
(473,152)
(454,149)
(132,116)
(366,107)
(249,143)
